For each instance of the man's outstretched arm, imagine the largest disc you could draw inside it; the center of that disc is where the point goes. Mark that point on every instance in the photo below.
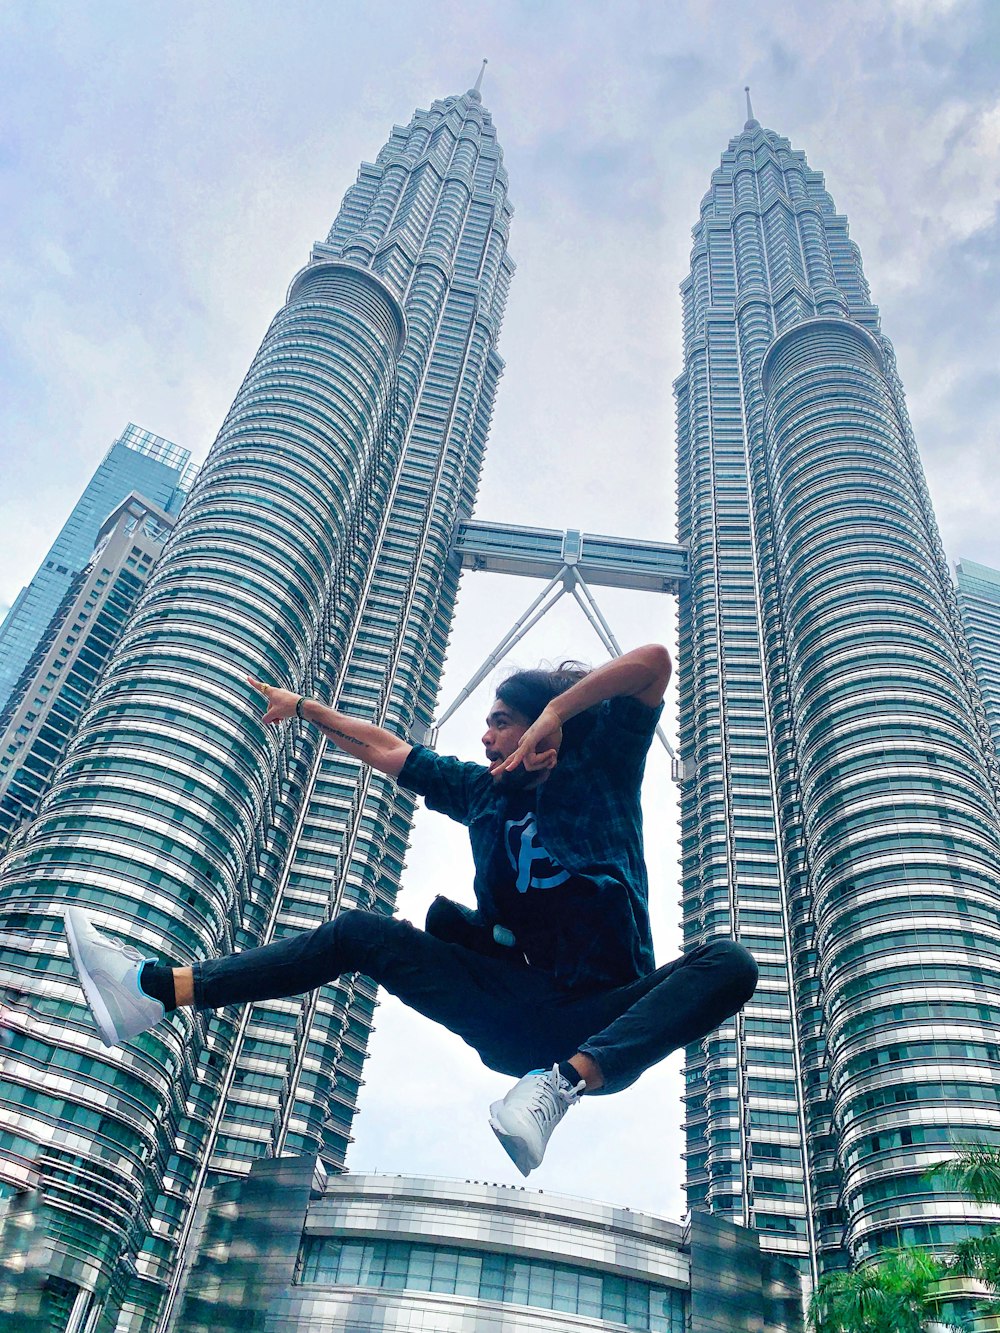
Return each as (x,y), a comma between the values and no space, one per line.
(373,745)
(642,674)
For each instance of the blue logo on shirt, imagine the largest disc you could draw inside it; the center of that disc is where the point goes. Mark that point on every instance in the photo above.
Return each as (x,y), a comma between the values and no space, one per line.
(533,867)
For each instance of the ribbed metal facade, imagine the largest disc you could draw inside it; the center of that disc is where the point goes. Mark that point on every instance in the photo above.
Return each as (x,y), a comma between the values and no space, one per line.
(839,809)
(312,552)
(399,1253)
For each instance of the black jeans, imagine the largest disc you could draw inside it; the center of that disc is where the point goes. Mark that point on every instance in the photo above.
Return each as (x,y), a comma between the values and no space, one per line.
(515,1016)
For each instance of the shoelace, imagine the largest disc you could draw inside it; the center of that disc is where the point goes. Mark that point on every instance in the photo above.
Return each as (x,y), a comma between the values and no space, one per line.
(129,950)
(550,1099)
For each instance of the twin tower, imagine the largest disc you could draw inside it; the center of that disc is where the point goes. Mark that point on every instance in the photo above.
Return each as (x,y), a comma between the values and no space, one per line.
(839,788)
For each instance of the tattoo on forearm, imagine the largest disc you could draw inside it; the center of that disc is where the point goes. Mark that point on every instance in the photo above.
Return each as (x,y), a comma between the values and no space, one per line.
(336,735)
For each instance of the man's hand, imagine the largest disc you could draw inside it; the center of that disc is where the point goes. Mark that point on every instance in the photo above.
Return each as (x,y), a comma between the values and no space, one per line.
(538,749)
(280,703)
(373,745)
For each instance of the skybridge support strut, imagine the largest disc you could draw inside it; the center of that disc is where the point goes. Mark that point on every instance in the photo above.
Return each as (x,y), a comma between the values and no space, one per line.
(570,561)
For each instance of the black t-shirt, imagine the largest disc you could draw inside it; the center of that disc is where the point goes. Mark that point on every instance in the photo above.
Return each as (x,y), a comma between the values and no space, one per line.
(533,894)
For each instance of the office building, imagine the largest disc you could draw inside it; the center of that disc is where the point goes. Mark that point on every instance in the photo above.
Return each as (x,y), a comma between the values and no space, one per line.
(979,603)
(839,798)
(48,700)
(137,461)
(313,551)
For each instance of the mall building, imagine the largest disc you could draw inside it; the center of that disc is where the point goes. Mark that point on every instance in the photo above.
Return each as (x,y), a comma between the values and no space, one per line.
(289,1248)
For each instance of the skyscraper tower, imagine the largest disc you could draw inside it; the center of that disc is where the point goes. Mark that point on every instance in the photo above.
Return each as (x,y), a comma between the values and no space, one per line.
(314,552)
(137,461)
(55,687)
(839,808)
(979,602)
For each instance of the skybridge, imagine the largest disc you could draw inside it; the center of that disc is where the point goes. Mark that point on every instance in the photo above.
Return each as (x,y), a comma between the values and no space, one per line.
(546,553)
(570,562)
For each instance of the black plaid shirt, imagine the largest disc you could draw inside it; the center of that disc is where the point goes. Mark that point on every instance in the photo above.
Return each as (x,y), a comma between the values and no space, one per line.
(589,820)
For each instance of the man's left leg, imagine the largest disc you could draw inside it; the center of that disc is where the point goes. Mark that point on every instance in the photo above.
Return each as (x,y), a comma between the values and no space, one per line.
(609,1039)
(492,1003)
(679,1003)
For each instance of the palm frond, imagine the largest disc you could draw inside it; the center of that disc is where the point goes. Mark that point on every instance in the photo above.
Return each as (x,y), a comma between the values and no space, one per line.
(979,1257)
(890,1294)
(974,1171)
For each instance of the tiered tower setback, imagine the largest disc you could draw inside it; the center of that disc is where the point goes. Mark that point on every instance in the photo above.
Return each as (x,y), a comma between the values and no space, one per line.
(55,687)
(313,552)
(839,813)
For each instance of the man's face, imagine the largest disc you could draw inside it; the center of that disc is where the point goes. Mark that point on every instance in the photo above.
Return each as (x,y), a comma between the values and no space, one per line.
(504,729)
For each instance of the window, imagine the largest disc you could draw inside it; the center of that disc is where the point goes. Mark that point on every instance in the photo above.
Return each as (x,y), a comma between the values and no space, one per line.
(397,1265)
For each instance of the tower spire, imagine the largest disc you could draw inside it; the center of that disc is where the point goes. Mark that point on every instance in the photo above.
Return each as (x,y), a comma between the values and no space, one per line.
(750,116)
(479,82)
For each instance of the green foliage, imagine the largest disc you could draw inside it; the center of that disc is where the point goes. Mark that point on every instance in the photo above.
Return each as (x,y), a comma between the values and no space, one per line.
(979,1257)
(975,1171)
(891,1294)
(897,1291)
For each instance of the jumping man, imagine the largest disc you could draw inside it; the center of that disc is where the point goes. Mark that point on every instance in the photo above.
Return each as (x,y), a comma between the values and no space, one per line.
(551,977)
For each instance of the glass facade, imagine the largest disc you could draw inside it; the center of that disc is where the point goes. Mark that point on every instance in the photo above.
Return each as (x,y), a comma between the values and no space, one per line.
(979,602)
(839,805)
(45,706)
(285,1249)
(312,551)
(484,1276)
(137,461)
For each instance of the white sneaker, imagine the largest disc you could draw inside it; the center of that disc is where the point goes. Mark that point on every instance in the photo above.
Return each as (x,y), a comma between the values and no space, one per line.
(525,1119)
(109,974)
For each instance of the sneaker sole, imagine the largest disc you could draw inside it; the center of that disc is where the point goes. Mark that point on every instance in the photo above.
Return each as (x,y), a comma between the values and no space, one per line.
(513,1146)
(105,1023)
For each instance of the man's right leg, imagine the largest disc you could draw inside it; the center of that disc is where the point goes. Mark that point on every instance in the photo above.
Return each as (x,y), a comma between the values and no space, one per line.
(492,1003)
(292,965)
(483,1000)
(446,920)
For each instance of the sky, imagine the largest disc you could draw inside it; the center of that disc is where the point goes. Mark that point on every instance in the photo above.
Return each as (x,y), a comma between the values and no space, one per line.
(166,167)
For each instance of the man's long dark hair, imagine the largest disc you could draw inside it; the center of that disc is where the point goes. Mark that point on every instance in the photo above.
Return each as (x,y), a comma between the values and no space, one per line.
(527,692)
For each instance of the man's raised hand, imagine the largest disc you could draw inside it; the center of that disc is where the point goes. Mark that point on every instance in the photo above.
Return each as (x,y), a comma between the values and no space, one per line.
(538,749)
(280,703)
